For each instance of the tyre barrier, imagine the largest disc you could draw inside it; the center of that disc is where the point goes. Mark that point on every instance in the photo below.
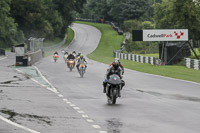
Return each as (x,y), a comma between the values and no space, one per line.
(138,58)
(192,63)
(2,52)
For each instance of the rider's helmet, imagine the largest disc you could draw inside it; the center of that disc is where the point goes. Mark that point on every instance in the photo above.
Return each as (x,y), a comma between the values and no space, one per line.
(116,59)
(81,56)
(115,64)
(70,53)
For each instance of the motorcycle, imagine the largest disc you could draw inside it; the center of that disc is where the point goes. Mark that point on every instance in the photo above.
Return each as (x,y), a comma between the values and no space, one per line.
(113,88)
(55,57)
(65,58)
(82,69)
(71,64)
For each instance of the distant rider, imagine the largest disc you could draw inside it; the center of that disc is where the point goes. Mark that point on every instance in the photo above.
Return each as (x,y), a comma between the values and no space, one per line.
(65,56)
(55,53)
(115,68)
(78,55)
(81,60)
(70,57)
(74,53)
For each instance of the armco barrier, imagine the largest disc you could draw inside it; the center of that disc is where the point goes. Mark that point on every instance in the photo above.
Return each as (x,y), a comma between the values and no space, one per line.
(137,58)
(192,63)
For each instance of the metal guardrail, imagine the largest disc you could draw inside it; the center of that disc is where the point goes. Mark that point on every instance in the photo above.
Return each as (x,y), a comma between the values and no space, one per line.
(54,46)
(192,63)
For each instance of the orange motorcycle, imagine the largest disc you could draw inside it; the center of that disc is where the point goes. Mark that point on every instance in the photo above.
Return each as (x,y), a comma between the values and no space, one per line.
(71,64)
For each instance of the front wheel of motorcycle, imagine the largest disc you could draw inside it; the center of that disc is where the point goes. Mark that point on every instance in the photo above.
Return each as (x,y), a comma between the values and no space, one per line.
(114,96)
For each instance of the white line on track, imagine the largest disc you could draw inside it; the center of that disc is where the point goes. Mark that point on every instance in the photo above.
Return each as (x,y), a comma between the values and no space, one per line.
(17,125)
(65,100)
(60,95)
(3,58)
(103,132)
(89,120)
(85,116)
(81,112)
(72,105)
(76,108)
(96,126)
(53,89)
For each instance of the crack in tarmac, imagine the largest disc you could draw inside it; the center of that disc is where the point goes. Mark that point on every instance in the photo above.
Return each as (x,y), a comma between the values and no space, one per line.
(30,117)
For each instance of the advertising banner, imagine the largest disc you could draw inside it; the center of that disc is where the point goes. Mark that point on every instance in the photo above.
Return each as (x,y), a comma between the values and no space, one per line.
(165,35)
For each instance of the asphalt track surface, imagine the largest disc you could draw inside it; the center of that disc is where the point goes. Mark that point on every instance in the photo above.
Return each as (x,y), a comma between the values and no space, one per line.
(149,103)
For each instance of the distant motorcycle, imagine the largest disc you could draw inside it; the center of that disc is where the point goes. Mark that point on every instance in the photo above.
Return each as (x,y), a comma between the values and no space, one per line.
(55,57)
(65,58)
(71,64)
(113,88)
(82,69)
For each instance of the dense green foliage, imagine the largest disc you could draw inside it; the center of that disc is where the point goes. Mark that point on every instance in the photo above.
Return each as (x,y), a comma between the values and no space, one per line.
(176,14)
(9,32)
(118,10)
(147,14)
(35,18)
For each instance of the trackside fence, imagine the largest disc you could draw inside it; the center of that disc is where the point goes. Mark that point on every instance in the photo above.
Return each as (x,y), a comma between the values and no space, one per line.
(138,58)
(192,63)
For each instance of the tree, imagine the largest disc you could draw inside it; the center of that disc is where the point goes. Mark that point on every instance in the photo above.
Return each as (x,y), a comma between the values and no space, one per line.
(177,14)
(127,9)
(67,8)
(9,34)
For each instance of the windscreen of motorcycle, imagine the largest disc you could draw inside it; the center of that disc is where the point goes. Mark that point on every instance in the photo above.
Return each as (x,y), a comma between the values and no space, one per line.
(114,79)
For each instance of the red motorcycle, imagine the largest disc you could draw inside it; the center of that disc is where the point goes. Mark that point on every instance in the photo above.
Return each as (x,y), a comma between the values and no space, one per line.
(55,57)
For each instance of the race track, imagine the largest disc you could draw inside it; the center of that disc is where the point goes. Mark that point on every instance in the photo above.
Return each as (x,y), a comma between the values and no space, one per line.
(149,103)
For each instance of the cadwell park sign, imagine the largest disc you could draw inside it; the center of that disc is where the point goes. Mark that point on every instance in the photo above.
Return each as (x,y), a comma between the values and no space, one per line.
(160,35)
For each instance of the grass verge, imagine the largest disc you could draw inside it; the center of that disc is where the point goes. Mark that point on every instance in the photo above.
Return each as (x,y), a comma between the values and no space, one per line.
(70,37)
(110,41)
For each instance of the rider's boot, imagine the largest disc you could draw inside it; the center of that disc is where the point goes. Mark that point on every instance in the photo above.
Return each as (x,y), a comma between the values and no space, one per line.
(77,68)
(104,87)
(119,91)
(123,84)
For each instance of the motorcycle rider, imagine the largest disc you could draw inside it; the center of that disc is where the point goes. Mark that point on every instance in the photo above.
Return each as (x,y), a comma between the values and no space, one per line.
(65,56)
(70,57)
(78,55)
(74,53)
(81,59)
(55,53)
(115,68)
(120,64)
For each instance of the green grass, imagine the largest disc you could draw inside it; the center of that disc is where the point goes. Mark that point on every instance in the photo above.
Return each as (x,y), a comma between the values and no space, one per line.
(70,36)
(173,71)
(110,41)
